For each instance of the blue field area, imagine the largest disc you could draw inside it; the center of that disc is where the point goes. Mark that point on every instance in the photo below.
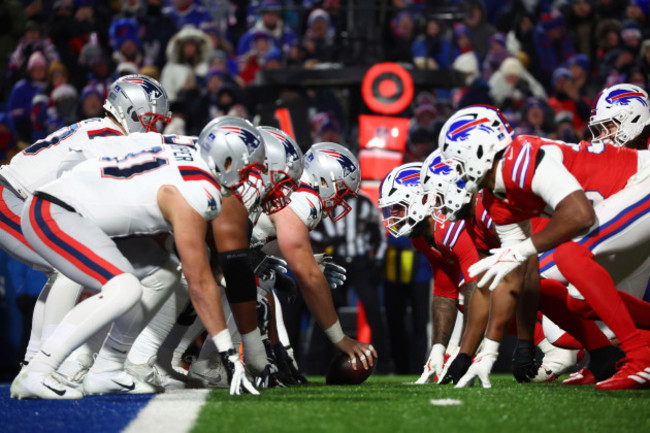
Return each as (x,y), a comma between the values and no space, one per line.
(107,414)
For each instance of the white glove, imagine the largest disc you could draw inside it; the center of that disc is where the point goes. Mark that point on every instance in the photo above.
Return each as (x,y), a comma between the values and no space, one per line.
(238,379)
(452,355)
(502,262)
(334,273)
(482,365)
(434,364)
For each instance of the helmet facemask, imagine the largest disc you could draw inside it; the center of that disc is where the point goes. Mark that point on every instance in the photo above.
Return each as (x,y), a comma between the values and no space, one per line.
(249,189)
(277,196)
(336,206)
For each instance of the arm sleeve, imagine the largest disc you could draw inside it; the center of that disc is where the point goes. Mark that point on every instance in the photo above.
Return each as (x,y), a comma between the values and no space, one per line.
(552,181)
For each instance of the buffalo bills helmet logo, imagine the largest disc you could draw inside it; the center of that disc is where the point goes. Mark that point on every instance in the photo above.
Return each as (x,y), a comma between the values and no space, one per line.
(460,129)
(619,97)
(408,177)
(252,142)
(439,167)
(345,162)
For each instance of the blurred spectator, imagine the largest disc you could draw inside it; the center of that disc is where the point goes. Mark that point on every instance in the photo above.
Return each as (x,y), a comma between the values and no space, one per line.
(398,48)
(12,23)
(520,37)
(91,100)
(565,129)
(66,102)
(221,60)
(328,130)
(318,44)
(536,119)
(253,60)
(23,92)
(271,23)
(644,62)
(7,136)
(623,57)
(151,71)
(425,116)
(187,55)
(125,68)
(512,84)
(125,41)
(156,29)
(497,53)
(579,66)
(581,26)
(432,50)
(187,12)
(637,11)
(607,36)
(566,99)
(462,40)
(57,75)
(32,41)
(480,29)
(611,9)
(421,142)
(552,46)
(476,90)
(42,116)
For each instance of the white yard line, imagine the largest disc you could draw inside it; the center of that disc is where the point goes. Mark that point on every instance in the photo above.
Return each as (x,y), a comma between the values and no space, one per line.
(173,412)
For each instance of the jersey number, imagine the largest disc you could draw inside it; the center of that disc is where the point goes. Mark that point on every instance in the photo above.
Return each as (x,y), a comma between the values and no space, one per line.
(52,140)
(148,162)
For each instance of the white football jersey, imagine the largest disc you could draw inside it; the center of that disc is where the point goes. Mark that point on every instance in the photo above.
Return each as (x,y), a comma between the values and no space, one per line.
(40,162)
(304,202)
(119,193)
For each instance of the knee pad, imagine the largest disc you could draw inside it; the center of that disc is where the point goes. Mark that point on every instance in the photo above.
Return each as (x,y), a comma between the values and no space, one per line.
(238,273)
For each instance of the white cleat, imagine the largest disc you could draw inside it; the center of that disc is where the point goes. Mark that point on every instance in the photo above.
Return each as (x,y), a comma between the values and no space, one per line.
(73,371)
(556,362)
(155,375)
(30,384)
(115,382)
(207,373)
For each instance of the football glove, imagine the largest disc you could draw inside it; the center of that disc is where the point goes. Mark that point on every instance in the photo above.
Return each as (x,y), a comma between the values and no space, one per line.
(434,364)
(334,273)
(236,373)
(501,263)
(269,377)
(482,365)
(523,361)
(455,369)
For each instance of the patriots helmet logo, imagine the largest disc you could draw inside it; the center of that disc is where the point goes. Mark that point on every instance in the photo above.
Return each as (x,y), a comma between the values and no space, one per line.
(150,88)
(409,177)
(345,162)
(252,142)
(289,150)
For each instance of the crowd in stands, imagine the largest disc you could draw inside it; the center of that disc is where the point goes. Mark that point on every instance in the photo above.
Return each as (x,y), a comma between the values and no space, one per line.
(542,62)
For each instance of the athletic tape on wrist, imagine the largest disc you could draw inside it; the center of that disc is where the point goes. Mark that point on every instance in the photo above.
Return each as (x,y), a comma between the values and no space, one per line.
(335,332)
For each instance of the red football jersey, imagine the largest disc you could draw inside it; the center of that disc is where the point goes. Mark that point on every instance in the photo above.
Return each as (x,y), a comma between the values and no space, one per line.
(601,170)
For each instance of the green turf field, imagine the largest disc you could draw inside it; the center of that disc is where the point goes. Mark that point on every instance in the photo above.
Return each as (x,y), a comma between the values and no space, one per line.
(390,404)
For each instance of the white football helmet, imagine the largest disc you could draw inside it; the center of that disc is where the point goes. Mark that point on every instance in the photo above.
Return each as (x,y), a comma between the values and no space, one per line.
(474,115)
(234,151)
(334,172)
(139,103)
(627,107)
(283,168)
(473,136)
(444,188)
(401,200)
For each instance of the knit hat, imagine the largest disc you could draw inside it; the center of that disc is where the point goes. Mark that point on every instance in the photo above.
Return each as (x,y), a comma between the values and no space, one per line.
(36,59)
(551,18)
(90,89)
(64,91)
(561,73)
(466,63)
(581,60)
(511,66)
(318,14)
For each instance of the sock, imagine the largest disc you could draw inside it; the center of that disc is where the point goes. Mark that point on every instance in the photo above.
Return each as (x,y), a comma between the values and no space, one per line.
(119,341)
(254,351)
(639,310)
(117,297)
(553,303)
(594,283)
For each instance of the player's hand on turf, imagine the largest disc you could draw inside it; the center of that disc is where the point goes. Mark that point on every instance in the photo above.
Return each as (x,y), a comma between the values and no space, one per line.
(523,361)
(482,365)
(270,377)
(236,374)
(433,365)
(500,263)
(334,273)
(455,369)
(282,353)
(365,352)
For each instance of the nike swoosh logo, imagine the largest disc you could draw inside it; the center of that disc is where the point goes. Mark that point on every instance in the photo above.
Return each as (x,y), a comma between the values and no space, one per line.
(59,392)
(46,354)
(119,351)
(127,387)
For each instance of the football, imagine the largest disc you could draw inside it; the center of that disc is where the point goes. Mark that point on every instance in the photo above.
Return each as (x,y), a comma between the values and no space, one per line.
(340,371)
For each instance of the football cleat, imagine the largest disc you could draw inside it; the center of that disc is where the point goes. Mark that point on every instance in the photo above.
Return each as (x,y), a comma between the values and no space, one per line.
(73,371)
(631,374)
(30,384)
(207,373)
(556,362)
(582,377)
(116,382)
(153,374)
